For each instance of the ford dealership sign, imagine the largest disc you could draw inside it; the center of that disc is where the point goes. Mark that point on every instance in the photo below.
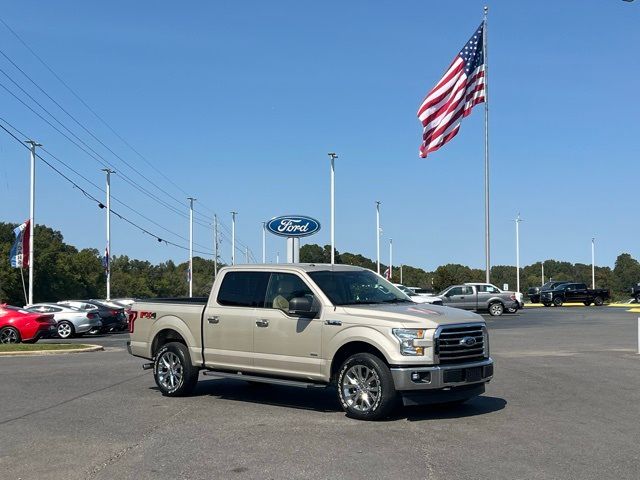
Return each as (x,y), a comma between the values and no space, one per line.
(293,226)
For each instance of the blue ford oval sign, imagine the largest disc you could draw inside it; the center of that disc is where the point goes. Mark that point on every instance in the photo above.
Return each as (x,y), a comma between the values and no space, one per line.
(293,226)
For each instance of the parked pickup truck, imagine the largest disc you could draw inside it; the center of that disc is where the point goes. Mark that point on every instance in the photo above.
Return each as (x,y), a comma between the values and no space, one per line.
(635,292)
(535,292)
(574,292)
(479,298)
(491,288)
(313,326)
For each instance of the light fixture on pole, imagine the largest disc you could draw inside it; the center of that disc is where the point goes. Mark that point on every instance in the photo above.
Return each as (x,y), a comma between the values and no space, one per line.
(518,220)
(107,256)
(190,273)
(593,262)
(264,242)
(32,208)
(233,237)
(378,236)
(332,157)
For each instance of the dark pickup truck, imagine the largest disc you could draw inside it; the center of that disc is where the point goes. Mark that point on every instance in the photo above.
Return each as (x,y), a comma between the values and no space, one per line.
(574,292)
(534,292)
(635,292)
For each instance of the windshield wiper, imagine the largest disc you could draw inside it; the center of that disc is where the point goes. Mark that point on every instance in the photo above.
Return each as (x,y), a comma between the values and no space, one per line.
(398,300)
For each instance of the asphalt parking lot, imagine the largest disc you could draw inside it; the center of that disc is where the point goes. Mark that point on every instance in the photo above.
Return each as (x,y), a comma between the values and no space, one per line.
(564,403)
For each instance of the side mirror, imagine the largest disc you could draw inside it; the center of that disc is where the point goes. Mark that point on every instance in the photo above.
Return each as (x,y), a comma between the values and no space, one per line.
(302,307)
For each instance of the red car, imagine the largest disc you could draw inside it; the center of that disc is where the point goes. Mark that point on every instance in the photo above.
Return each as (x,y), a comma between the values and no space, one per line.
(18,325)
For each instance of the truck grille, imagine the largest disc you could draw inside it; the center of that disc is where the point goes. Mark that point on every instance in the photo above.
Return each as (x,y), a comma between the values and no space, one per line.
(451,346)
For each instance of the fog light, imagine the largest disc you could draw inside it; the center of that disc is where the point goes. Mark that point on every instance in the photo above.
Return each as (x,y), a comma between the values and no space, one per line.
(421,377)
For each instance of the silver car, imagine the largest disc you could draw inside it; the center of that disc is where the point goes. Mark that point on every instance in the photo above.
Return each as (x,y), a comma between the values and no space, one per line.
(70,322)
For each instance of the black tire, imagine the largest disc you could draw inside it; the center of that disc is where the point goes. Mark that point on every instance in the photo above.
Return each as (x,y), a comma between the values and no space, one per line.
(512,310)
(380,379)
(557,302)
(638,298)
(546,304)
(586,304)
(173,372)
(496,309)
(65,329)
(9,335)
(598,301)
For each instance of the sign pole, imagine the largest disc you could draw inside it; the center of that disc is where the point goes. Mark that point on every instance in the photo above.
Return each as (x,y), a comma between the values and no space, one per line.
(593,263)
(32,195)
(264,242)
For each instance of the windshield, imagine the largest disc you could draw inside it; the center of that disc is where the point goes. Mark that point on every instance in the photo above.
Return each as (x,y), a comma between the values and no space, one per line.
(357,287)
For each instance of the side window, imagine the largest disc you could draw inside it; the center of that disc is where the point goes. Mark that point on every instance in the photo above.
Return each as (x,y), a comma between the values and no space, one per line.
(482,288)
(455,291)
(54,309)
(467,290)
(243,289)
(492,289)
(282,288)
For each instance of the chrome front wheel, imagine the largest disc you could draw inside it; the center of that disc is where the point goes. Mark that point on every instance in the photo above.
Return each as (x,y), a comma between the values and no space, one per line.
(361,388)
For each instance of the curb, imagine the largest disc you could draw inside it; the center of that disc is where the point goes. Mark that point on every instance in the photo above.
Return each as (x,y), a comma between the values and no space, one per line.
(90,348)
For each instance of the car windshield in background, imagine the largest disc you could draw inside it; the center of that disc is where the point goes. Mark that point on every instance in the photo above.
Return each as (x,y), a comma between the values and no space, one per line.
(357,287)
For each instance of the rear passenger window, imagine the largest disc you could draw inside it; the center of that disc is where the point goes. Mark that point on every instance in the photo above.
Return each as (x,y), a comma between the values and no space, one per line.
(243,289)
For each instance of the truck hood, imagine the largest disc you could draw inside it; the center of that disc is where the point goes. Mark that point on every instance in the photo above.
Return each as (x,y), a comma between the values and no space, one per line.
(411,315)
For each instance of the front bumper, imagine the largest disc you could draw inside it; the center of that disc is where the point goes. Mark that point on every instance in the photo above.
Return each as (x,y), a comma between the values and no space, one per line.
(439,377)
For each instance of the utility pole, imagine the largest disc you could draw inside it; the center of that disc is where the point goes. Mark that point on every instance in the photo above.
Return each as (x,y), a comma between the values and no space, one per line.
(390,258)
(32,195)
(191,200)
(593,262)
(333,156)
(233,237)
(401,275)
(518,220)
(215,245)
(378,235)
(108,171)
(542,264)
(264,242)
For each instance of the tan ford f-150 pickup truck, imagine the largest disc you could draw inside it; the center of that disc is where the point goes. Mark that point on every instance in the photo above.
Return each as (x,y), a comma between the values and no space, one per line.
(314,326)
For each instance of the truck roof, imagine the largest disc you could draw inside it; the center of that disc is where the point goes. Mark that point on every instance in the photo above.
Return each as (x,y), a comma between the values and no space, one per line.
(296,267)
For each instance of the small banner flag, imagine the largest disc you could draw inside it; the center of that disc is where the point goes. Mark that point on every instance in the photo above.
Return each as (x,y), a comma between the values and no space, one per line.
(19,255)
(106,260)
(387,274)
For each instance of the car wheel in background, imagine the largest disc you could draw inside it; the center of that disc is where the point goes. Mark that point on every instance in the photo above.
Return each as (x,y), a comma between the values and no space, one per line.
(496,309)
(365,387)
(9,335)
(173,372)
(586,304)
(557,302)
(65,329)
(598,301)
(546,304)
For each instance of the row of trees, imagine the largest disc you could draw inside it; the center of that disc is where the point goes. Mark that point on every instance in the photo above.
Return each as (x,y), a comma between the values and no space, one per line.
(64,272)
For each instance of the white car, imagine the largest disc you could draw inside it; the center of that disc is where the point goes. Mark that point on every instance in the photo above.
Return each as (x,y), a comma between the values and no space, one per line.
(417,297)
(70,321)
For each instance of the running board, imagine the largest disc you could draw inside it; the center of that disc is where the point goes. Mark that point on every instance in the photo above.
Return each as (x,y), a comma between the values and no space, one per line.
(259,379)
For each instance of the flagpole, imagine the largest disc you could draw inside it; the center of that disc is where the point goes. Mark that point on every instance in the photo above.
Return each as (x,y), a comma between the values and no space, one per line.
(378,236)
(332,157)
(24,287)
(108,171)
(487,248)
(32,194)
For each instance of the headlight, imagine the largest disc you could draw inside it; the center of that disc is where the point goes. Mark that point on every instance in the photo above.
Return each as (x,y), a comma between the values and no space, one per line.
(407,338)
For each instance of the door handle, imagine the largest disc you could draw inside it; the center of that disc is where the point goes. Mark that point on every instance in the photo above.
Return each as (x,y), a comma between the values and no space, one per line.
(336,323)
(213,320)
(262,323)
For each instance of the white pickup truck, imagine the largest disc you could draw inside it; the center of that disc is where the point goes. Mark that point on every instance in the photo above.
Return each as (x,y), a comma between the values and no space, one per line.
(315,326)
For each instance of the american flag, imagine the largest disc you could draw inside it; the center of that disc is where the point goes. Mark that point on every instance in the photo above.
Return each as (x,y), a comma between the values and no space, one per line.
(458,91)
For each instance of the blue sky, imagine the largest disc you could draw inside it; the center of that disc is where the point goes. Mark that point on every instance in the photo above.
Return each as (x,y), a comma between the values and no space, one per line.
(239,102)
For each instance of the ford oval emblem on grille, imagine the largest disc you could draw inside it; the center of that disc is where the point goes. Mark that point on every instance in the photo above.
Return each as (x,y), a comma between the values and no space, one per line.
(468,341)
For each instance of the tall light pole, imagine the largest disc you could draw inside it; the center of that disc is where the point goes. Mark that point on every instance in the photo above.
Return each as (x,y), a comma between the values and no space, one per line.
(215,245)
(378,235)
(593,262)
(518,220)
(332,157)
(542,266)
(32,207)
(233,237)
(108,171)
(401,275)
(390,258)
(191,200)
(264,242)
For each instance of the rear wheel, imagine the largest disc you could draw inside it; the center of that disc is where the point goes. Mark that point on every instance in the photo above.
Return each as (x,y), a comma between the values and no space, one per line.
(9,335)
(546,304)
(557,302)
(65,329)
(598,301)
(512,309)
(586,304)
(365,387)
(496,309)
(173,372)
